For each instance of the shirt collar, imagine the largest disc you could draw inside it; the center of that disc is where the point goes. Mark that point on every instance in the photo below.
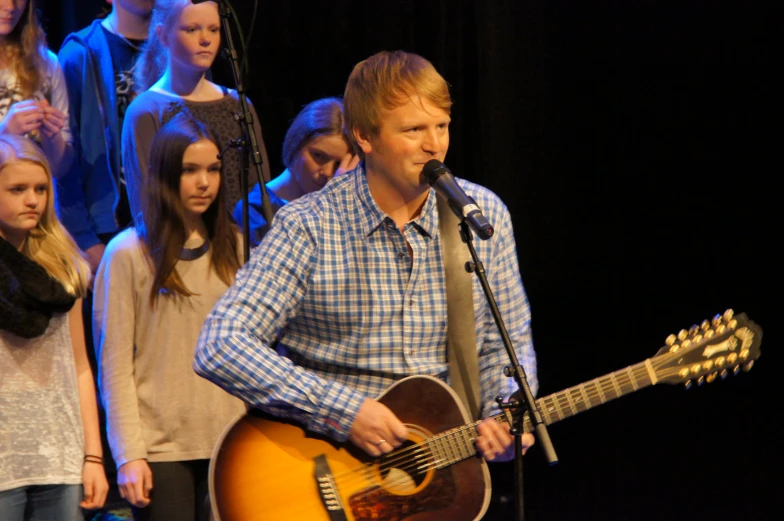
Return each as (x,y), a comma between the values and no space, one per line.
(372,217)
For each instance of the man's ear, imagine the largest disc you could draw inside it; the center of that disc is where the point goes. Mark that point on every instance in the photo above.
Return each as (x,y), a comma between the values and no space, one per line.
(363,141)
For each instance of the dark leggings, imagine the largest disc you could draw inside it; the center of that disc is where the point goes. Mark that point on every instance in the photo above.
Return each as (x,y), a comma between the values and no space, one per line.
(180,492)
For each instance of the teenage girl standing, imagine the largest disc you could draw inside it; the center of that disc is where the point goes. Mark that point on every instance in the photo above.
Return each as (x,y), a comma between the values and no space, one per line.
(153,290)
(182,44)
(50,440)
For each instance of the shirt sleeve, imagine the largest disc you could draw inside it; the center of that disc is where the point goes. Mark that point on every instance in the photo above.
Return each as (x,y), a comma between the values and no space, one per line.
(256,222)
(114,321)
(507,287)
(139,128)
(60,96)
(71,205)
(234,346)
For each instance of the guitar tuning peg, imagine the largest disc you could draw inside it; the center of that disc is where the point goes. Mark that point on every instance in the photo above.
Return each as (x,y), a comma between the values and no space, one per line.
(687,384)
(705,325)
(732,324)
(728,315)
(748,365)
(670,340)
(700,380)
(682,334)
(736,369)
(723,374)
(711,377)
(709,333)
(693,329)
(698,339)
(716,320)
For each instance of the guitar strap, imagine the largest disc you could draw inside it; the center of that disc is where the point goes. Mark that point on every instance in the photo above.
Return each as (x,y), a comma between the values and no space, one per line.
(461,328)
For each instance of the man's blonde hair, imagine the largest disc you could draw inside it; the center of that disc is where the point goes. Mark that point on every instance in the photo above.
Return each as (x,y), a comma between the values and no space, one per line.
(385,81)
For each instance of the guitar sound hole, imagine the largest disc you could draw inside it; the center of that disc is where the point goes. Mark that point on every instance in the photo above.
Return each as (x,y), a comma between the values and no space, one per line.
(405,469)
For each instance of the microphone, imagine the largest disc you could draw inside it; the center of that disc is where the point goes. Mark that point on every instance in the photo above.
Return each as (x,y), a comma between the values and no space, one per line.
(444,183)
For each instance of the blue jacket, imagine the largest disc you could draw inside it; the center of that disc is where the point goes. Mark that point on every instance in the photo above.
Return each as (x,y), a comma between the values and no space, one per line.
(88,194)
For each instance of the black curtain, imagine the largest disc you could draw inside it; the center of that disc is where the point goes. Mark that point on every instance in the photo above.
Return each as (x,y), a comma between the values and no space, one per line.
(632,143)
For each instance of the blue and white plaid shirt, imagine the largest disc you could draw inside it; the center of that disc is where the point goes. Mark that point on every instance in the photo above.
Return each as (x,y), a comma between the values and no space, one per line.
(353,312)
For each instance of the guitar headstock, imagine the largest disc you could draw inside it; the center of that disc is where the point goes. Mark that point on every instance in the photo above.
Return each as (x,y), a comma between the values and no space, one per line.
(716,347)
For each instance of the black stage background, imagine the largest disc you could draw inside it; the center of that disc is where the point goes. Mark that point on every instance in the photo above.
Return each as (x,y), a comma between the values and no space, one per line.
(631,142)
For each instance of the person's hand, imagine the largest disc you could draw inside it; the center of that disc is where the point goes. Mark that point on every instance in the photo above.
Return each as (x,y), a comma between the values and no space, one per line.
(347,164)
(135,481)
(54,120)
(95,485)
(22,117)
(496,443)
(376,429)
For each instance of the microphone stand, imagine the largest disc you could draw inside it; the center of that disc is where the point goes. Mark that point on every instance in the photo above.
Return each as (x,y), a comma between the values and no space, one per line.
(247,121)
(513,370)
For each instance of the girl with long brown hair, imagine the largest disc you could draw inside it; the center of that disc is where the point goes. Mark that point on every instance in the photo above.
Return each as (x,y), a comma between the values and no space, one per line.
(153,290)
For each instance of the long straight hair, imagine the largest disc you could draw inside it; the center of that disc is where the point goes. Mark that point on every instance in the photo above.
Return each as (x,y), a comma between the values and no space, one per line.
(164,231)
(48,244)
(25,49)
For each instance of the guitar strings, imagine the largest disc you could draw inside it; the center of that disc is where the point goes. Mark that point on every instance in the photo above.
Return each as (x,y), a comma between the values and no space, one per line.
(604,389)
(420,458)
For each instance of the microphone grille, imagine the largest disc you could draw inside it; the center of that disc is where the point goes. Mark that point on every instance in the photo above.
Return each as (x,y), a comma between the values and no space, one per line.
(434,169)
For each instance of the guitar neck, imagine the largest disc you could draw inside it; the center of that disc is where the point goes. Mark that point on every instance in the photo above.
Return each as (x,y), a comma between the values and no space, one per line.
(566,403)
(457,444)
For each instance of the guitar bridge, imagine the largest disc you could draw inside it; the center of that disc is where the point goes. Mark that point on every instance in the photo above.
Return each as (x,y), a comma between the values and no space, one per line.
(328,490)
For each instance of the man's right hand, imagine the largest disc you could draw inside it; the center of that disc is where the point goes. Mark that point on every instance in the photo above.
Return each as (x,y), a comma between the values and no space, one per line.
(376,429)
(135,481)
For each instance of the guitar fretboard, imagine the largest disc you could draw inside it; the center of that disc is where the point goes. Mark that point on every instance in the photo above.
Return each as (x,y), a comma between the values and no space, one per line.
(457,444)
(566,403)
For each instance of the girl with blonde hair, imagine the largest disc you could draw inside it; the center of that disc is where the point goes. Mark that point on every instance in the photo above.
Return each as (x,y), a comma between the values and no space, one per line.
(49,433)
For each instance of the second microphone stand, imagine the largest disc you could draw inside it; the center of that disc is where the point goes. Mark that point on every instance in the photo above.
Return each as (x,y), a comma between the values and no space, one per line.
(247,121)
(513,370)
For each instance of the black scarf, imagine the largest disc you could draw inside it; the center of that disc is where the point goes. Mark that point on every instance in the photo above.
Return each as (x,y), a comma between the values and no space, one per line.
(28,295)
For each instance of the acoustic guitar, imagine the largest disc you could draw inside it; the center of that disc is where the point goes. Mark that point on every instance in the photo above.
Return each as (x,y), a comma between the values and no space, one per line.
(264,468)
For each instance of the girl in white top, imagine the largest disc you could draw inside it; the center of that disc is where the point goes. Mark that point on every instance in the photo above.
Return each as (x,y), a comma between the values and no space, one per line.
(33,96)
(49,435)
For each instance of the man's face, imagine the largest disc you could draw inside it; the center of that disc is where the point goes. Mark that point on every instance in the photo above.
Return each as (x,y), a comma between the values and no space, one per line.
(409,136)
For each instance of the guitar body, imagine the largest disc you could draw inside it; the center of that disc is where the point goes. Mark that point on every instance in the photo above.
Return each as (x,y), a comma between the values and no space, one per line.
(263,468)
